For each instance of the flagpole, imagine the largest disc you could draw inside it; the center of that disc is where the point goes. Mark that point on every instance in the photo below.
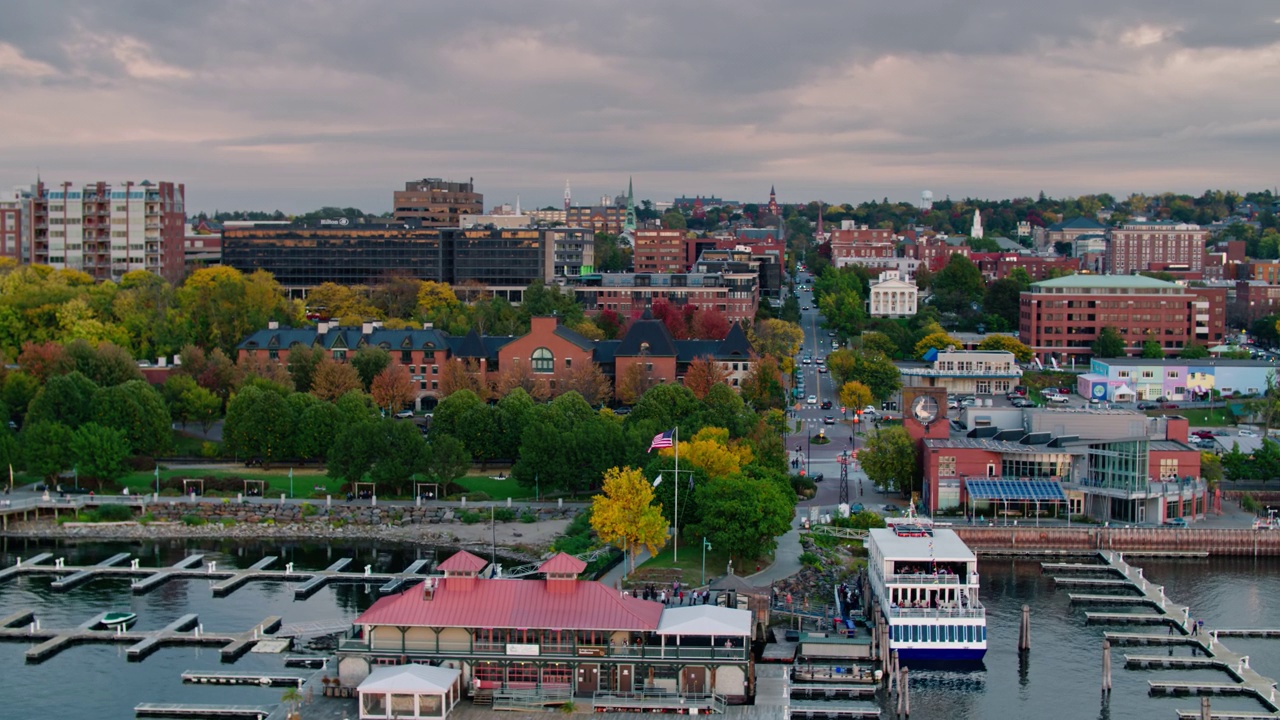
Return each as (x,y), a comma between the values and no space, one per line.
(675,548)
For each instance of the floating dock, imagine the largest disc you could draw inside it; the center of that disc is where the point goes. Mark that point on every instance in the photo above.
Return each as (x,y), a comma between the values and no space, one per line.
(24,627)
(248,677)
(1109,599)
(186,710)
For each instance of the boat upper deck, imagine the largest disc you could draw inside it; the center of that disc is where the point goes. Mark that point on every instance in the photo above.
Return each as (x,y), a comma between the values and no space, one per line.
(941,545)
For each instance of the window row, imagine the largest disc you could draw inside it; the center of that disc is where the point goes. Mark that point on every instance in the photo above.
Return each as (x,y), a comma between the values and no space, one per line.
(938,633)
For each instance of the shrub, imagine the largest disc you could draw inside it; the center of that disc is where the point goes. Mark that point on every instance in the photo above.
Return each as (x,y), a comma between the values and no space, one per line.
(308,509)
(210,449)
(113,513)
(528,516)
(193,520)
(141,463)
(503,514)
(146,519)
(1248,503)
(469,518)
(812,560)
(228,521)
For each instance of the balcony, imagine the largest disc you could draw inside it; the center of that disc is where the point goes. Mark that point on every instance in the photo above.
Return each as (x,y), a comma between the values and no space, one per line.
(552,651)
(940,613)
(935,579)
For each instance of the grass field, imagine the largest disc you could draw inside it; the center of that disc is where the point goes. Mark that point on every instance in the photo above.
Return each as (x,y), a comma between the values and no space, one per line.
(304,479)
(690,564)
(1202,417)
(496,489)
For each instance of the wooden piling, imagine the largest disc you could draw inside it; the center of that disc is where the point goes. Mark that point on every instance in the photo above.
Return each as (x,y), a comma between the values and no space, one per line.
(1204,709)
(905,692)
(1024,630)
(1106,667)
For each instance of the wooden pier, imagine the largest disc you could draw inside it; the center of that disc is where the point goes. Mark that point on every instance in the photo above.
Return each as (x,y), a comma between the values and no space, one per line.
(1096,582)
(832,709)
(1109,599)
(23,627)
(1189,632)
(1094,568)
(186,710)
(248,677)
(1248,632)
(227,580)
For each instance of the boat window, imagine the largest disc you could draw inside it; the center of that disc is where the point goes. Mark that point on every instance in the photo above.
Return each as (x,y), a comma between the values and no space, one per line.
(915,633)
(951,633)
(984,633)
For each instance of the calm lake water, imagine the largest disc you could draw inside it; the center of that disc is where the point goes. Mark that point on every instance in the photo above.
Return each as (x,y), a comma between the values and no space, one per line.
(1061,677)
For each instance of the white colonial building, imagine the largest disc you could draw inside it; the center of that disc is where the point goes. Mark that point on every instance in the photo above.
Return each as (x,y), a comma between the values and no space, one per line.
(892,297)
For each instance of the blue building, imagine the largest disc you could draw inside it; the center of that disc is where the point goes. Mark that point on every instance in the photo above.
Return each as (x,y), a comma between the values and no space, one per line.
(1128,379)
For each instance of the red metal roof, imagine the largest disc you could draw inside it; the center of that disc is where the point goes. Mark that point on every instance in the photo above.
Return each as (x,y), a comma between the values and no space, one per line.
(562,563)
(520,604)
(463,561)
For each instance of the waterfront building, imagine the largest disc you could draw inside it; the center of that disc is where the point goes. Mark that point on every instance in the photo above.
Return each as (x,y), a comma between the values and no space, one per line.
(556,633)
(433,202)
(965,372)
(1123,379)
(1063,317)
(553,352)
(107,230)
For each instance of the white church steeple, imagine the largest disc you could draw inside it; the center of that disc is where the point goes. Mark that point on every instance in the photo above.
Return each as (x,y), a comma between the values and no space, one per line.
(976,232)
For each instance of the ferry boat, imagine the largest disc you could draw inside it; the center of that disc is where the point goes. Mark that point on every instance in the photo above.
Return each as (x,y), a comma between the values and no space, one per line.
(926,581)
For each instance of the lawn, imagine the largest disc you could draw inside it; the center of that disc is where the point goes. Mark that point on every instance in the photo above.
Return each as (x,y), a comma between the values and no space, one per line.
(496,489)
(304,479)
(1202,417)
(690,564)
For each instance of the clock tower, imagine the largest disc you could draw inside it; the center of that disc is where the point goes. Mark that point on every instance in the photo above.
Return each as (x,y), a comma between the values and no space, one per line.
(924,412)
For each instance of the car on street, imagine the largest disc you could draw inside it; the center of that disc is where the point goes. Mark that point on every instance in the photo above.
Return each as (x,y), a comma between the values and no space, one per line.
(891,509)
(870,411)
(817,477)
(812,400)
(822,369)
(1176,522)
(405,414)
(1170,406)
(828,420)
(1147,406)
(826,404)
(807,360)
(1203,434)
(804,307)
(1247,433)
(831,334)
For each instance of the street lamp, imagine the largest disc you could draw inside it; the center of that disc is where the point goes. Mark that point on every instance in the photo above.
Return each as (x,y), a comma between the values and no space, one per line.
(705,547)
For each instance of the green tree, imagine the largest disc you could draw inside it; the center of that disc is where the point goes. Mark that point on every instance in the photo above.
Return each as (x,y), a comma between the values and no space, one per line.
(64,399)
(869,368)
(17,393)
(401,455)
(513,413)
(447,459)
(46,448)
(105,365)
(937,340)
(201,406)
(1003,300)
(138,411)
(743,515)
(674,220)
(259,424)
(889,459)
(1211,469)
(317,426)
(466,417)
(99,452)
(958,286)
(302,364)
(879,342)
(368,362)
(1151,350)
(1109,344)
(1194,351)
(624,514)
(355,449)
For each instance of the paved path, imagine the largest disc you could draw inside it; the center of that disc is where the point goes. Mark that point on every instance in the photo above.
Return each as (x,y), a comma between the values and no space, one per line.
(786,559)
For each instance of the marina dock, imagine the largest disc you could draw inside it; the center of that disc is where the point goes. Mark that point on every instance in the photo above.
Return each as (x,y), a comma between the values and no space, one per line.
(193,566)
(248,677)
(1188,631)
(1109,599)
(24,627)
(185,710)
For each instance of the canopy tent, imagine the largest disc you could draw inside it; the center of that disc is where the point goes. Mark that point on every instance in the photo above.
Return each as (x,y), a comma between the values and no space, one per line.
(410,691)
(734,583)
(705,620)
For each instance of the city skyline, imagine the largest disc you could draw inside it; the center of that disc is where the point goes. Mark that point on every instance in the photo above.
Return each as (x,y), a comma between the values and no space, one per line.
(293,105)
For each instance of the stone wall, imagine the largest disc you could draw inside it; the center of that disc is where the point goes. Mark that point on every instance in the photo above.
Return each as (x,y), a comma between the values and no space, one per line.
(338,513)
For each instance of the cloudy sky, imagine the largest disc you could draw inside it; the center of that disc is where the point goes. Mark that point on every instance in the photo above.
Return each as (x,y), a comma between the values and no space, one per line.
(294,105)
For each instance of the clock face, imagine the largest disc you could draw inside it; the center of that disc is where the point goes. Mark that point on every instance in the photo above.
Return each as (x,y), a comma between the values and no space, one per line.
(925,409)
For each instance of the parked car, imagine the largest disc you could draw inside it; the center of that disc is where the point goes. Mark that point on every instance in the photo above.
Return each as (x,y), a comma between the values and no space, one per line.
(891,509)
(826,404)
(622,410)
(1021,402)
(1203,434)
(856,508)
(1176,522)
(1170,406)
(812,400)
(1247,433)
(1147,406)
(1057,398)
(405,414)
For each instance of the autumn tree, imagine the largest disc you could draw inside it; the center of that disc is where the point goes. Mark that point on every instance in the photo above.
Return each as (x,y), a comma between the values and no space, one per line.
(854,395)
(708,324)
(703,374)
(589,381)
(778,338)
(889,459)
(253,365)
(762,387)
(393,388)
(1008,343)
(334,379)
(459,374)
(518,374)
(302,363)
(44,360)
(935,340)
(634,382)
(624,514)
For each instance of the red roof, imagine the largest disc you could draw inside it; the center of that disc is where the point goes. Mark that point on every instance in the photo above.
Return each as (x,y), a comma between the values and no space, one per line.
(520,604)
(463,561)
(562,564)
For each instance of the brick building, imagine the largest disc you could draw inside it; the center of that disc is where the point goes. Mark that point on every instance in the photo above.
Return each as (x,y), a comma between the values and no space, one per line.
(996,266)
(659,251)
(13,230)
(853,243)
(433,202)
(1255,299)
(597,218)
(734,295)
(1062,317)
(1145,245)
(934,251)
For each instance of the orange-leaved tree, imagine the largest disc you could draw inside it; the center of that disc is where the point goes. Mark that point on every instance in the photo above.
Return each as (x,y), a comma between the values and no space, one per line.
(625,514)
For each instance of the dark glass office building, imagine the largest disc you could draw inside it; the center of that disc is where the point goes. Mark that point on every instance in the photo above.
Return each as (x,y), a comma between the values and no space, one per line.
(364,254)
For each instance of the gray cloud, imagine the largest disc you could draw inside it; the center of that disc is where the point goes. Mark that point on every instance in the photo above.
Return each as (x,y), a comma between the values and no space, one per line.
(294,104)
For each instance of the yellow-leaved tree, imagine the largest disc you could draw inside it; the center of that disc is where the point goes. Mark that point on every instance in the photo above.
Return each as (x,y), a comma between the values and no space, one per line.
(711,451)
(625,514)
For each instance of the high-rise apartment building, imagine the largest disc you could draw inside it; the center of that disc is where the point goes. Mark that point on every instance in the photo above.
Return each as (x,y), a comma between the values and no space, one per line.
(659,251)
(437,203)
(15,225)
(1156,245)
(109,229)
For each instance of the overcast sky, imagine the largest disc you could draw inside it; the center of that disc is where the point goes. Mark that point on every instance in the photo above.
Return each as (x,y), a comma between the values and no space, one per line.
(293,105)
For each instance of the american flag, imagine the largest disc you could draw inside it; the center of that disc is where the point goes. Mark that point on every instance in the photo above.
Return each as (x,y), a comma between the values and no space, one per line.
(662,440)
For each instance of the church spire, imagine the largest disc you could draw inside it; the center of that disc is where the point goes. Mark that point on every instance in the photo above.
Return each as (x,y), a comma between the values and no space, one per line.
(566,196)
(629,225)
(976,232)
(773,201)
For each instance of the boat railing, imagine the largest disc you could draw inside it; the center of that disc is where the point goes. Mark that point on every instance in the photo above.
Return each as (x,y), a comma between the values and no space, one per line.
(939,613)
(923,579)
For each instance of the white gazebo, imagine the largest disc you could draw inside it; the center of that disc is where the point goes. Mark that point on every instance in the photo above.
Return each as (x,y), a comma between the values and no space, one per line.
(720,626)
(410,691)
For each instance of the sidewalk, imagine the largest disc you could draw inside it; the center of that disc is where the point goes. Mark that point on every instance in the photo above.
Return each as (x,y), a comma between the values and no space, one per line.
(786,558)
(613,578)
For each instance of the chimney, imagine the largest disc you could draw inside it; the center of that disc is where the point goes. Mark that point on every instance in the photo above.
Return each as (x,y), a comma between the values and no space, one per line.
(1176,428)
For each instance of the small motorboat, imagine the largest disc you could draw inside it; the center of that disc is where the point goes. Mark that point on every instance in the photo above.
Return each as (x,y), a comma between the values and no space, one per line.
(118,619)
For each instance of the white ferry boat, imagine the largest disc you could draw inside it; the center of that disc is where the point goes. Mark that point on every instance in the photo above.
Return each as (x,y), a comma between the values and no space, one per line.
(926,581)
